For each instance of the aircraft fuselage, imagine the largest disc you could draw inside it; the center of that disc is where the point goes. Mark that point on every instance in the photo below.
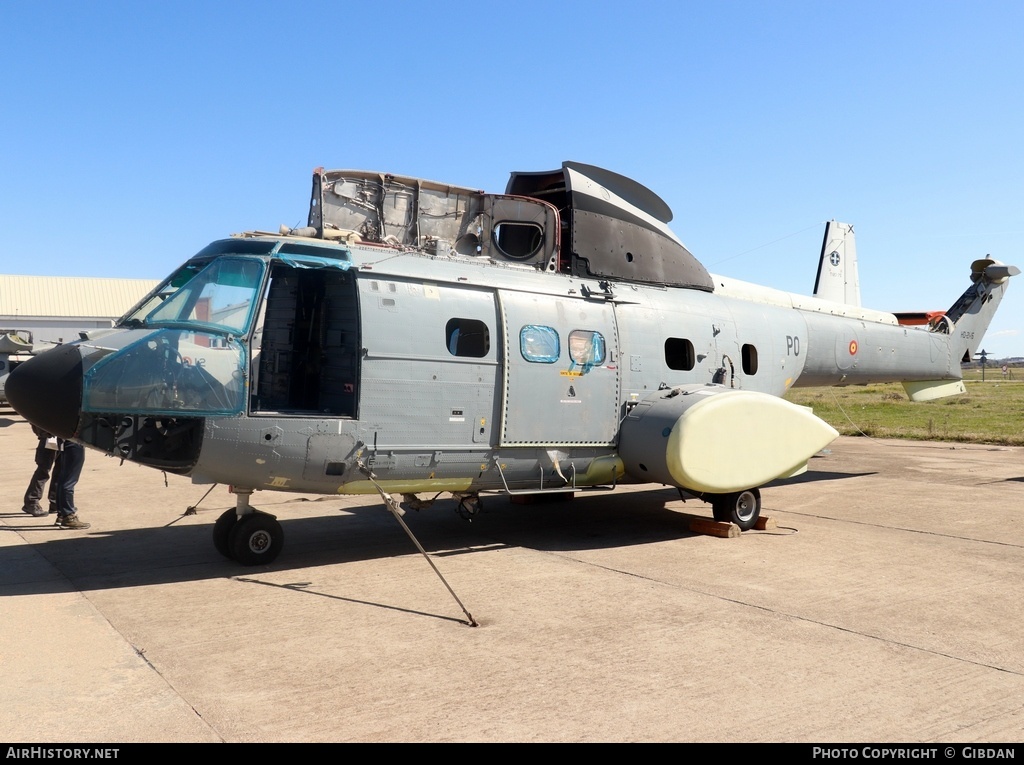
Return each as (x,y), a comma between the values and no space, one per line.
(424,338)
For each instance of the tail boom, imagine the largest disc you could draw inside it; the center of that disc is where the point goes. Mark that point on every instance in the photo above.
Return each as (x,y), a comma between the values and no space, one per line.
(925,359)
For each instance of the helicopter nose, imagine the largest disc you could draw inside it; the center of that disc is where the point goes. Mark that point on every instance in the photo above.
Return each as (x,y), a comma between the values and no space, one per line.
(47,390)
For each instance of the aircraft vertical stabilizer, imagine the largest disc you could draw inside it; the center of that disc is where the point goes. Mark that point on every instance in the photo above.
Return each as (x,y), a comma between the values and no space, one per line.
(837,278)
(969,317)
(965,323)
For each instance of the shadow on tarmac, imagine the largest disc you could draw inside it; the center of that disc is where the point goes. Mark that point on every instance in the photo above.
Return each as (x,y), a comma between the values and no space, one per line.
(102,559)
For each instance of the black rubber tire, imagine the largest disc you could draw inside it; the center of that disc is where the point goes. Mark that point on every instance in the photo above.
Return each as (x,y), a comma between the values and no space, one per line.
(256,539)
(222,532)
(740,507)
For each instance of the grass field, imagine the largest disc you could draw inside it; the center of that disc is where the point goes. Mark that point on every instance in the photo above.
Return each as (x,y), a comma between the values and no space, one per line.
(991,412)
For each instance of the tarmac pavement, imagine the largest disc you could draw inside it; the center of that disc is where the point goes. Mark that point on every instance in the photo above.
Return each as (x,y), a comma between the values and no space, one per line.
(885,607)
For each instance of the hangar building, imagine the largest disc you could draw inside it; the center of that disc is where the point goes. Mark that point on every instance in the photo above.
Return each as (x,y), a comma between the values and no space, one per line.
(55,308)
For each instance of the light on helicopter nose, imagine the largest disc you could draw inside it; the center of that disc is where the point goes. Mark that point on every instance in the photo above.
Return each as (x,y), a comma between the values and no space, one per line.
(47,390)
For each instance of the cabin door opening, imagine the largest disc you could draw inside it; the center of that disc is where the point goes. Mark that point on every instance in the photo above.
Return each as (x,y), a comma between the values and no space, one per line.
(306,353)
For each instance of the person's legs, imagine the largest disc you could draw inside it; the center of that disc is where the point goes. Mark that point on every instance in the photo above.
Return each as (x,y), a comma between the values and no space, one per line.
(34,492)
(51,495)
(72,459)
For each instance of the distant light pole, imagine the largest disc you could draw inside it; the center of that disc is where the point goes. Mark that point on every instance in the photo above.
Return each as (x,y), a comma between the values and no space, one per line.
(983,355)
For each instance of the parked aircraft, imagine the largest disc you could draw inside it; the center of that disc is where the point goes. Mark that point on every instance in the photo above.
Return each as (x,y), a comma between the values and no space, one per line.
(15,346)
(417,338)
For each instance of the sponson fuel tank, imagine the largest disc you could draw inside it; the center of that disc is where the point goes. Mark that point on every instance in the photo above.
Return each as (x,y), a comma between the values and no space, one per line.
(714,439)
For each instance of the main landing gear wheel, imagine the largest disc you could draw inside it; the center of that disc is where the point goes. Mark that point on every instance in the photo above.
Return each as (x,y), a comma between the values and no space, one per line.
(740,507)
(469,506)
(256,539)
(222,532)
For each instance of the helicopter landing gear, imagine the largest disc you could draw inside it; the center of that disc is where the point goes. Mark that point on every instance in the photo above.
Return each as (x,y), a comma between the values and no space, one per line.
(469,505)
(257,538)
(247,535)
(740,507)
(222,531)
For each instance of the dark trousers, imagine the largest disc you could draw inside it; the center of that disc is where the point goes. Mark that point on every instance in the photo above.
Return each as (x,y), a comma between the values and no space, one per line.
(72,458)
(44,463)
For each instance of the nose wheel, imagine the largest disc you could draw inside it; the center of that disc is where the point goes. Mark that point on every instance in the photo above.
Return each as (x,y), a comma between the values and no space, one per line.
(254,539)
(222,532)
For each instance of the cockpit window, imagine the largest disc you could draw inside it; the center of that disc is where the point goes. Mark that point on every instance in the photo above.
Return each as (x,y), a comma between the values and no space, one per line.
(170,371)
(219,296)
(136,317)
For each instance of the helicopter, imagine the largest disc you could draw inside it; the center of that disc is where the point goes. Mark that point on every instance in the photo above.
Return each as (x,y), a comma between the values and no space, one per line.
(421,338)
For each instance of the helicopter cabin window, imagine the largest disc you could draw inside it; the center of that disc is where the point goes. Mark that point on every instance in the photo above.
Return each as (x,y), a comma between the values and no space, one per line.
(586,348)
(539,344)
(679,354)
(309,351)
(467,337)
(749,359)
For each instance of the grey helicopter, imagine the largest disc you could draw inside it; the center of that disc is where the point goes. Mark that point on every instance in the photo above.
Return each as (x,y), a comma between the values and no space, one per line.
(419,338)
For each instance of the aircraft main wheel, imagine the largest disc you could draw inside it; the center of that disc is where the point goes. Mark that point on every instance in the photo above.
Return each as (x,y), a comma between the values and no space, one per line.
(222,532)
(469,506)
(740,507)
(257,538)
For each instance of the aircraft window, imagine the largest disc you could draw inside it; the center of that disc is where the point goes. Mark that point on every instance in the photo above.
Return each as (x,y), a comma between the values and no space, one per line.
(236,247)
(468,337)
(177,280)
(518,241)
(586,348)
(749,359)
(169,371)
(221,296)
(679,354)
(539,344)
(319,251)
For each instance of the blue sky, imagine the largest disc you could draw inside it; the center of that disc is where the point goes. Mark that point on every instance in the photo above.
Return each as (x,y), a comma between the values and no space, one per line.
(133,133)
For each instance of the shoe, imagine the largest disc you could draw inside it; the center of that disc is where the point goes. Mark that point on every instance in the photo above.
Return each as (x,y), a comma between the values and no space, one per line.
(71,522)
(36,511)
(53,509)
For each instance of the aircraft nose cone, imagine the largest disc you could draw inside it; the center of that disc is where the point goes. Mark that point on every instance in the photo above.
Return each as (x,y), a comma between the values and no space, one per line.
(47,390)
